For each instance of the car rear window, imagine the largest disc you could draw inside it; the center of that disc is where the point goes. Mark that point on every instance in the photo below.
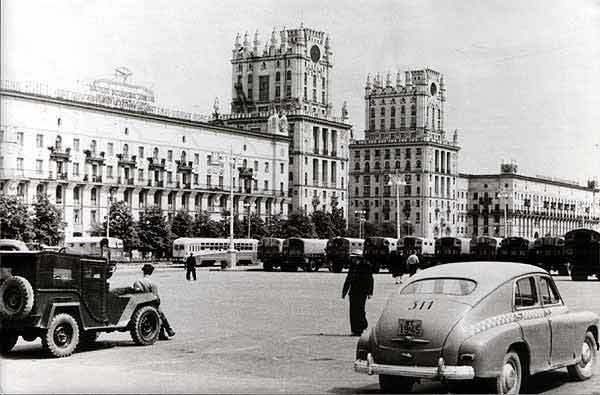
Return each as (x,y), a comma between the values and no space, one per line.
(442,286)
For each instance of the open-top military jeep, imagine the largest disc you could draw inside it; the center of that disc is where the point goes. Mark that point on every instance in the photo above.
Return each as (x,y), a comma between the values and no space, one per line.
(65,300)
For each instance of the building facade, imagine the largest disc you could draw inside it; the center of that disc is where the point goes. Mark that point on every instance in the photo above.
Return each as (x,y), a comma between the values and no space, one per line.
(406,152)
(510,204)
(407,156)
(83,150)
(285,88)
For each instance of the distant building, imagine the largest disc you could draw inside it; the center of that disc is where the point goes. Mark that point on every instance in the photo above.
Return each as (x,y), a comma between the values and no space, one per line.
(405,138)
(114,142)
(284,88)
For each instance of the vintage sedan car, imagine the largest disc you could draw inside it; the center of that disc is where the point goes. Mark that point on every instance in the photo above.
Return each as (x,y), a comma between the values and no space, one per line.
(496,321)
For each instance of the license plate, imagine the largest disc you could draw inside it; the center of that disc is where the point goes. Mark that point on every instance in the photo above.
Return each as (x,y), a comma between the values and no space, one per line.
(410,328)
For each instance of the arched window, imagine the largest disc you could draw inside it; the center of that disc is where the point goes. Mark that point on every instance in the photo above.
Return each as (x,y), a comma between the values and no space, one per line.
(356,191)
(402,110)
(249,78)
(277,76)
(372,112)
(183,156)
(244,163)
(288,75)
(58,143)
(397,166)
(59,194)
(382,111)
(367,167)
(155,153)
(93,146)
(407,166)
(76,194)
(386,165)
(357,166)
(93,195)
(393,111)
(418,164)
(125,150)
(413,110)
(377,166)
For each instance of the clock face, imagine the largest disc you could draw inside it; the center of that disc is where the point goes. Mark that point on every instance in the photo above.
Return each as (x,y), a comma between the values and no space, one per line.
(315,53)
(433,89)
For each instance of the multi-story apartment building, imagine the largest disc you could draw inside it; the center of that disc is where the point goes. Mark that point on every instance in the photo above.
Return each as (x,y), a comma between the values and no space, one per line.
(511,204)
(405,137)
(83,149)
(285,88)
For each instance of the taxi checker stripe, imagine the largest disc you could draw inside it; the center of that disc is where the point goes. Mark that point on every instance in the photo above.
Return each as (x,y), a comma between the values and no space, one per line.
(504,319)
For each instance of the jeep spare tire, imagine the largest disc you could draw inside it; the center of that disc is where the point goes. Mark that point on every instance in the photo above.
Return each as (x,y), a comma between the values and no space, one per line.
(16,297)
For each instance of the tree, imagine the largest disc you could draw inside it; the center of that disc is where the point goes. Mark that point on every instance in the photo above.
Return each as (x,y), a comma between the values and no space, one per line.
(121,226)
(337,219)
(15,219)
(154,232)
(182,224)
(386,229)
(299,225)
(323,224)
(257,227)
(47,221)
(275,226)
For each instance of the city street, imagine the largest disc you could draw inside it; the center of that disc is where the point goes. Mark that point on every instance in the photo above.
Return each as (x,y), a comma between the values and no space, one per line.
(245,332)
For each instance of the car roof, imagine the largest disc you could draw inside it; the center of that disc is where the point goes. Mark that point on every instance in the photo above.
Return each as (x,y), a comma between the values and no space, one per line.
(487,274)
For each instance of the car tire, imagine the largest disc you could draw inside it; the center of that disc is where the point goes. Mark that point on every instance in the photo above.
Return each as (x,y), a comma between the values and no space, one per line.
(145,326)
(267,266)
(8,341)
(584,368)
(395,384)
(311,266)
(16,298)
(62,337)
(511,375)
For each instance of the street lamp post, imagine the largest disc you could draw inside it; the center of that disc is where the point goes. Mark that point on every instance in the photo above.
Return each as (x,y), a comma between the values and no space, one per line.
(505,196)
(248,205)
(398,181)
(108,217)
(361,219)
(232,253)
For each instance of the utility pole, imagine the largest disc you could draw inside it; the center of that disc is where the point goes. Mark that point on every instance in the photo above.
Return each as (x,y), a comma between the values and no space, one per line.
(232,252)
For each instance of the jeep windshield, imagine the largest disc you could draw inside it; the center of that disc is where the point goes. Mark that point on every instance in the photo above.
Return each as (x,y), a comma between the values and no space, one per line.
(440,286)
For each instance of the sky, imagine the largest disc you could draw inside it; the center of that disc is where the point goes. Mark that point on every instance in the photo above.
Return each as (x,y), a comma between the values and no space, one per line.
(522,77)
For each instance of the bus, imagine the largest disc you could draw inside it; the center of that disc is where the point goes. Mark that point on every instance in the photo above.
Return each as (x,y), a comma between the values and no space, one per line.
(342,251)
(210,251)
(582,251)
(485,248)
(270,252)
(516,249)
(380,252)
(308,254)
(549,253)
(452,249)
(110,248)
(423,248)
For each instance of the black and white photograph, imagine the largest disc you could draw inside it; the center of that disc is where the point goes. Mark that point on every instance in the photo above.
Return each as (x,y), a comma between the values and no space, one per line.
(315,197)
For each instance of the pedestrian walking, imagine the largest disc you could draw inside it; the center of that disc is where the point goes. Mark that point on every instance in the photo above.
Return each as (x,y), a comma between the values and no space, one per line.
(359,287)
(146,285)
(190,267)
(413,263)
(398,267)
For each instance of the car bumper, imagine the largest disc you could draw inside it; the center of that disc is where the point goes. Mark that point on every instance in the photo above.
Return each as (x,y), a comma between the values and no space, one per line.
(441,372)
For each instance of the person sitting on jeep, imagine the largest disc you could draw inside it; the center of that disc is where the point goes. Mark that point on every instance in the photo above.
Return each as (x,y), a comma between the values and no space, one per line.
(146,285)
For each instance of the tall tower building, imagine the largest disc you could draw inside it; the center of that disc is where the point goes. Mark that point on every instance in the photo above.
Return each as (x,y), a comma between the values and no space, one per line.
(284,87)
(405,136)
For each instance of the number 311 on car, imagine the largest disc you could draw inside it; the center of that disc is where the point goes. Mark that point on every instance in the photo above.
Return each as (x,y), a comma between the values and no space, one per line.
(496,321)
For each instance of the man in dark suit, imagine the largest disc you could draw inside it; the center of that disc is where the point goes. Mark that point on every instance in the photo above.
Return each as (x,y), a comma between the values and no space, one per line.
(359,287)
(190,267)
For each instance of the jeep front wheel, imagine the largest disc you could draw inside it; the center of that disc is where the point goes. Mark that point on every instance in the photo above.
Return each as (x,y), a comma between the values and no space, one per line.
(62,336)
(8,341)
(16,297)
(145,326)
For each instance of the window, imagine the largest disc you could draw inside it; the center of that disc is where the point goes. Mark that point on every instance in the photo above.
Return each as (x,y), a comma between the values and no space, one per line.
(281,168)
(39,140)
(140,152)
(443,286)
(277,76)
(75,169)
(109,171)
(20,164)
(266,167)
(38,166)
(20,138)
(548,291)
(170,155)
(109,148)
(288,75)
(525,295)
(141,174)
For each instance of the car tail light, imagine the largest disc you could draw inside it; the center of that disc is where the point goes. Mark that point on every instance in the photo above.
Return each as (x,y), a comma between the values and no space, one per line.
(466,359)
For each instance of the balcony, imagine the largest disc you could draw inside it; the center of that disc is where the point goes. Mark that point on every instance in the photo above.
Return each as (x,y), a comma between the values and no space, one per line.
(156,164)
(334,153)
(58,154)
(130,181)
(127,161)
(246,172)
(184,166)
(59,176)
(92,157)
(97,179)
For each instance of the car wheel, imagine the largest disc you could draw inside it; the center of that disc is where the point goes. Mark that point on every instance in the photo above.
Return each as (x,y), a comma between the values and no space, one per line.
(511,375)
(311,266)
(584,369)
(395,384)
(145,326)
(16,297)
(62,336)
(8,341)
(267,266)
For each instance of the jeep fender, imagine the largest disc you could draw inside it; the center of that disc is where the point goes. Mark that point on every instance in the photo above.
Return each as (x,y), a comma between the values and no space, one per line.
(135,302)
(72,308)
(489,347)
